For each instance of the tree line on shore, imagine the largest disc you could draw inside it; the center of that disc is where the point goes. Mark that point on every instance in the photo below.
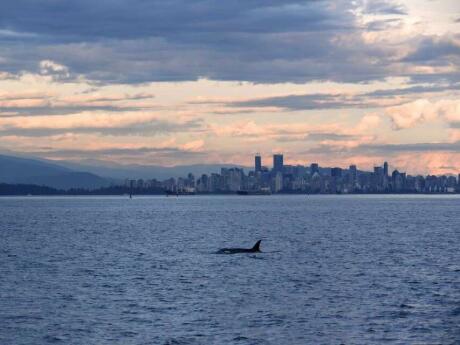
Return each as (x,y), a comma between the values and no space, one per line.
(31,189)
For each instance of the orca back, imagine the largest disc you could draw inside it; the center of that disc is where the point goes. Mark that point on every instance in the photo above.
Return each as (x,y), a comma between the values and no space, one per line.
(256,247)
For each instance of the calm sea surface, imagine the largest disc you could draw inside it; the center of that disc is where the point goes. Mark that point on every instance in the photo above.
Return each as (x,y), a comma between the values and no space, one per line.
(334,270)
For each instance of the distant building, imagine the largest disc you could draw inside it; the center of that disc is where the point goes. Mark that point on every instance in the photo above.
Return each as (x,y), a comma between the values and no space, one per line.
(336,172)
(353,172)
(257,163)
(278,182)
(301,179)
(385,169)
(314,168)
(278,163)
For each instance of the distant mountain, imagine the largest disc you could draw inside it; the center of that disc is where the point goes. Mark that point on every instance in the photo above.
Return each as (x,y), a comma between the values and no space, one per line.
(92,173)
(15,169)
(46,173)
(121,172)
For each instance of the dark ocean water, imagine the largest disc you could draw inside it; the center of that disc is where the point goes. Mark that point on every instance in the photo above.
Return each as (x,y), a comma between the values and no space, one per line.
(335,270)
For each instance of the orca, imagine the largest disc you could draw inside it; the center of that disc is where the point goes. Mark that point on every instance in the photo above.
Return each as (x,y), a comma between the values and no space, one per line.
(255,249)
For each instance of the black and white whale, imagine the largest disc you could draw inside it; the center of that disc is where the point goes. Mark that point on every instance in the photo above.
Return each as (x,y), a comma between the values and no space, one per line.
(255,249)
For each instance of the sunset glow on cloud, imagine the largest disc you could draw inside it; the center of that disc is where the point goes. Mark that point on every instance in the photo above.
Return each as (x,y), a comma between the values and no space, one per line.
(180,82)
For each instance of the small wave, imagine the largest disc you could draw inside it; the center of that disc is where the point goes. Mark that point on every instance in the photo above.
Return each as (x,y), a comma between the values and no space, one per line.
(406,306)
(53,338)
(128,334)
(456,312)
(239,338)
(250,341)
(180,341)
(256,257)
(454,268)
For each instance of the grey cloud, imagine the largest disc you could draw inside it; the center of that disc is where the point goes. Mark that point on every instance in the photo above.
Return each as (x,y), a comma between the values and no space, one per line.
(16,97)
(435,49)
(316,136)
(385,7)
(121,151)
(416,89)
(137,18)
(307,102)
(330,101)
(138,41)
(61,110)
(262,41)
(330,136)
(420,147)
(383,24)
(91,104)
(387,149)
(166,154)
(139,129)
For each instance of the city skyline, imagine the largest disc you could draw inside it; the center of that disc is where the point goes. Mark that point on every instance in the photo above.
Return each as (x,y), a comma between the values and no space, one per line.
(312,178)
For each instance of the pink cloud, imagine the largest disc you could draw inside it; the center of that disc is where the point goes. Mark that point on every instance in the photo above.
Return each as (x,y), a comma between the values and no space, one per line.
(423,110)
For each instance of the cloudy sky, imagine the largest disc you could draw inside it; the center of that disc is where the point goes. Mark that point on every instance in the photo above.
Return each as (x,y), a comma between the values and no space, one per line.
(186,81)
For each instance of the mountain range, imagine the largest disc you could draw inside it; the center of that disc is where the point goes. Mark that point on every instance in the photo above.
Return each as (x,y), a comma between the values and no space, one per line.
(89,174)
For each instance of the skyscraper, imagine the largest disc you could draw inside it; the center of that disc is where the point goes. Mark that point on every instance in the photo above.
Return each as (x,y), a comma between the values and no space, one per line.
(257,163)
(353,171)
(278,163)
(385,169)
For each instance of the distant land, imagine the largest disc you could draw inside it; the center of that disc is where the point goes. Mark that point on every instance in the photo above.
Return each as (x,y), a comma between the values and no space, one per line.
(122,172)
(18,170)
(94,174)
(32,189)
(35,176)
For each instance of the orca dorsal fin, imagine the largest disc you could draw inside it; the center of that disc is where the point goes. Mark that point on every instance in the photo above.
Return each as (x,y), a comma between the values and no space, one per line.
(256,247)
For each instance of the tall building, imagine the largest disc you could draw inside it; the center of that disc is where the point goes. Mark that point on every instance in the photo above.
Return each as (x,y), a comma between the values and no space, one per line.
(278,186)
(385,169)
(278,163)
(353,171)
(314,167)
(257,163)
